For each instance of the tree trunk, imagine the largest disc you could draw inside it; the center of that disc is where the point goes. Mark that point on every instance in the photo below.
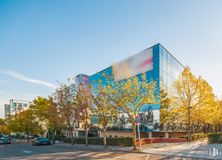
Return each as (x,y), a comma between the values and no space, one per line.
(71,134)
(28,137)
(60,134)
(53,136)
(104,138)
(86,136)
(189,128)
(134,137)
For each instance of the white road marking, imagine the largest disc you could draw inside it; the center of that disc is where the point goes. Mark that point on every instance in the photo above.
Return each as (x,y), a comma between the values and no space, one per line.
(148,157)
(26,151)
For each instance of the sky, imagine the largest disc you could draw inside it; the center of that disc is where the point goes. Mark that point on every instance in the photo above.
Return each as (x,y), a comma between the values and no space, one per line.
(46,42)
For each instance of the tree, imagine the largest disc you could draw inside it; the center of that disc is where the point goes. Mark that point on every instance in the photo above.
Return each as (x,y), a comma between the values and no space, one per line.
(3,127)
(123,120)
(165,109)
(131,95)
(168,112)
(14,124)
(83,104)
(2,121)
(104,108)
(26,122)
(64,100)
(146,117)
(47,111)
(195,100)
(217,116)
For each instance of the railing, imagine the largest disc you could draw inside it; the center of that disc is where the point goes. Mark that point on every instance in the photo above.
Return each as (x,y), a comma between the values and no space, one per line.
(172,127)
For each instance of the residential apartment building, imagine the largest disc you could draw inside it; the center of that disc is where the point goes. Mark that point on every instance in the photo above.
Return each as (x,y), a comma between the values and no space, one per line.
(15,106)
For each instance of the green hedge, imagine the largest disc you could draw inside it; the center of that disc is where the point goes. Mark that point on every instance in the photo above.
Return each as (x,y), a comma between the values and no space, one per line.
(215,137)
(198,136)
(122,141)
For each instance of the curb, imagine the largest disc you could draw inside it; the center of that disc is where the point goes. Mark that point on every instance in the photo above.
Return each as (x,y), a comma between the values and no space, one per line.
(95,147)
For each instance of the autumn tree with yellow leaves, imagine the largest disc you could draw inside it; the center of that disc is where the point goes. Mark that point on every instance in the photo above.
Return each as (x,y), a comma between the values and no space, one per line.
(165,107)
(131,95)
(26,122)
(168,113)
(217,116)
(47,112)
(195,101)
(83,103)
(3,127)
(103,108)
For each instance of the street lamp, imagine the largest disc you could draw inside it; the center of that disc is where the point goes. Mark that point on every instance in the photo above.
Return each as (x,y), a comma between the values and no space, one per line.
(189,129)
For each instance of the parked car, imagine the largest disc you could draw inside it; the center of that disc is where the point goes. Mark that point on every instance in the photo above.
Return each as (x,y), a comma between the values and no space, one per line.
(5,140)
(41,141)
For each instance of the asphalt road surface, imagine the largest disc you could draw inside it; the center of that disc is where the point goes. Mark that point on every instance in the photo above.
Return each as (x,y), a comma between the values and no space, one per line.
(59,152)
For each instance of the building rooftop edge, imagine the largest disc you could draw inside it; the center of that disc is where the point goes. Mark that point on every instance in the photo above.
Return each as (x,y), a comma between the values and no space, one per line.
(142,51)
(171,55)
(20,100)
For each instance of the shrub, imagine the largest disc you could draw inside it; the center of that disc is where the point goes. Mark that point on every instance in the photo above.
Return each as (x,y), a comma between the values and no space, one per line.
(215,137)
(198,136)
(123,141)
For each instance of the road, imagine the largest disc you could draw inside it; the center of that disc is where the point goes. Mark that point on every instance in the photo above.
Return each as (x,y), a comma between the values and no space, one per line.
(60,152)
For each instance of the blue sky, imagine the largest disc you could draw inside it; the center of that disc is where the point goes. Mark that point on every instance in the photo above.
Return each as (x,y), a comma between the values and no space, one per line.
(42,42)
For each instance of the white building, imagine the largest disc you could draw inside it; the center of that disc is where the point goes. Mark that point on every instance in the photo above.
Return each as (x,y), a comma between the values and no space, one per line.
(16,106)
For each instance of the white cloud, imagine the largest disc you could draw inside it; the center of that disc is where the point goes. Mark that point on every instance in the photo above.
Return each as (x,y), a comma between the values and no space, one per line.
(27,79)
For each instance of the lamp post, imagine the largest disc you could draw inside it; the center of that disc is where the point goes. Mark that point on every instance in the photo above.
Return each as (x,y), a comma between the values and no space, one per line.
(189,129)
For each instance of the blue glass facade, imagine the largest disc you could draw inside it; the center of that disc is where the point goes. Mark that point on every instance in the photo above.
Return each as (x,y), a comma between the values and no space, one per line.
(169,69)
(151,75)
(165,69)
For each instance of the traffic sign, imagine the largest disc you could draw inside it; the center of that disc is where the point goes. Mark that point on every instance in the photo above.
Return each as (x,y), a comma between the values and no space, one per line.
(137,122)
(137,119)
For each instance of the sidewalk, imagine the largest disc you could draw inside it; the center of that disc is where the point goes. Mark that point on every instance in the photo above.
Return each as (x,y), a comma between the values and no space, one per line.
(197,149)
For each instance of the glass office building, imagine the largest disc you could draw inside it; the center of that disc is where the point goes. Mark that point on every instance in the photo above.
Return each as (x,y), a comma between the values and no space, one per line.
(158,65)
(169,69)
